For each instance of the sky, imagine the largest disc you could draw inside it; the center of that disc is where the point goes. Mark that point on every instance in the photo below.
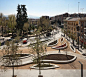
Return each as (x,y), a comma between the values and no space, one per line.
(38,8)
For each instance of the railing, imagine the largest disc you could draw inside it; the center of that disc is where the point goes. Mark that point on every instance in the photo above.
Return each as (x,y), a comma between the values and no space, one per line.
(85,32)
(84,27)
(85,36)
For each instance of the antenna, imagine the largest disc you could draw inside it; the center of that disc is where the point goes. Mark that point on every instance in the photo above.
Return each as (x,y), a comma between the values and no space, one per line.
(82,9)
(68,7)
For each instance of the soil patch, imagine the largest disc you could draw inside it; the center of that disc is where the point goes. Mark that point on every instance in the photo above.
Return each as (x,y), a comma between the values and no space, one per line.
(44,65)
(16,55)
(57,57)
(52,43)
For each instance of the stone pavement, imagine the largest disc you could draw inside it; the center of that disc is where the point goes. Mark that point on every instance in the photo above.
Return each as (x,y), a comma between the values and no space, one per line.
(45,73)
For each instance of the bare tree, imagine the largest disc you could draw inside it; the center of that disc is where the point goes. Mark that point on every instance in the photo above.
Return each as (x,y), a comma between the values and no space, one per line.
(25,27)
(12,23)
(9,54)
(38,50)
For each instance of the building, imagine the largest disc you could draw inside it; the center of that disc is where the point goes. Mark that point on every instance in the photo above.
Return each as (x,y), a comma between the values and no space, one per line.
(72,25)
(33,21)
(83,31)
(65,23)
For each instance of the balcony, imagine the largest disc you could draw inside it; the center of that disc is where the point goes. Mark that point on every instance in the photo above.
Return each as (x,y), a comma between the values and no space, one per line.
(85,36)
(84,30)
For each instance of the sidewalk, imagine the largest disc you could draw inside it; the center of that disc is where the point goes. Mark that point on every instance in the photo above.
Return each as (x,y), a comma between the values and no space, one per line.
(81,50)
(45,73)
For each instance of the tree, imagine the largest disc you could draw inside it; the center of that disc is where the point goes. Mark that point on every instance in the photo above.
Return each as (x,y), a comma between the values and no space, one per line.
(25,27)
(21,17)
(44,22)
(12,23)
(1,22)
(73,38)
(10,51)
(38,51)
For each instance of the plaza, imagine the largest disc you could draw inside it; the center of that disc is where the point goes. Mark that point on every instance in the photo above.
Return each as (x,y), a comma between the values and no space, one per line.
(65,70)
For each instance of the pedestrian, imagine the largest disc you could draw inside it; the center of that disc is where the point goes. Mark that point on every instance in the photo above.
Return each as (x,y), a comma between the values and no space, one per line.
(59,50)
(45,49)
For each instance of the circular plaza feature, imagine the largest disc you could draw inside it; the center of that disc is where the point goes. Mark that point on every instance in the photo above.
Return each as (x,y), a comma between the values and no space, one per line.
(44,66)
(58,58)
(23,59)
(20,55)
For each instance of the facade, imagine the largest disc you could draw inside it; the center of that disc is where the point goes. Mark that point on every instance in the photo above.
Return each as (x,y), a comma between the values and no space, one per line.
(83,31)
(72,25)
(33,21)
(65,23)
(65,15)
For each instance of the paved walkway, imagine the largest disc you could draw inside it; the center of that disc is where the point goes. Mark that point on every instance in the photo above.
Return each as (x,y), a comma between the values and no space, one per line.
(45,73)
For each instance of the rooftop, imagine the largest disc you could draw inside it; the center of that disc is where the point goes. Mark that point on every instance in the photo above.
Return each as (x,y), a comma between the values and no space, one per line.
(74,19)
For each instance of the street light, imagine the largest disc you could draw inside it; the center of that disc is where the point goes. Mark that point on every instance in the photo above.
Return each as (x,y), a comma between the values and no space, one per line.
(78,36)
(81,68)
(78,8)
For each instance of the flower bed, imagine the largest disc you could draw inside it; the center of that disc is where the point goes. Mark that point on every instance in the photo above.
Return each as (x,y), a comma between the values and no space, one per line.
(61,39)
(72,48)
(61,46)
(24,41)
(53,43)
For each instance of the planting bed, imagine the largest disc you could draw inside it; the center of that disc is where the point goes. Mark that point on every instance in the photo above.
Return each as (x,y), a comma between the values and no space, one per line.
(16,55)
(58,58)
(53,43)
(25,41)
(61,39)
(23,59)
(72,48)
(61,46)
(44,66)
(84,54)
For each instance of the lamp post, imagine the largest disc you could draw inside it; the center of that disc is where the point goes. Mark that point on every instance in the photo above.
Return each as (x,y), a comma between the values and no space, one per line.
(78,36)
(82,9)
(78,9)
(81,68)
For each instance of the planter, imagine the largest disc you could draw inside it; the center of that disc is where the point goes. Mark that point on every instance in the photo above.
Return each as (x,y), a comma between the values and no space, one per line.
(53,43)
(14,76)
(25,41)
(44,66)
(72,48)
(40,75)
(61,46)
(22,57)
(61,39)
(58,58)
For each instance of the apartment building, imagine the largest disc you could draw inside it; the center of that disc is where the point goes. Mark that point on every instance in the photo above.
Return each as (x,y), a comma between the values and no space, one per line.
(83,31)
(65,23)
(33,21)
(72,25)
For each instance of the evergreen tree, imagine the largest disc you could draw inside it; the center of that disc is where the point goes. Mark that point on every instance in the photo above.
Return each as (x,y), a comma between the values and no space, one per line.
(21,17)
